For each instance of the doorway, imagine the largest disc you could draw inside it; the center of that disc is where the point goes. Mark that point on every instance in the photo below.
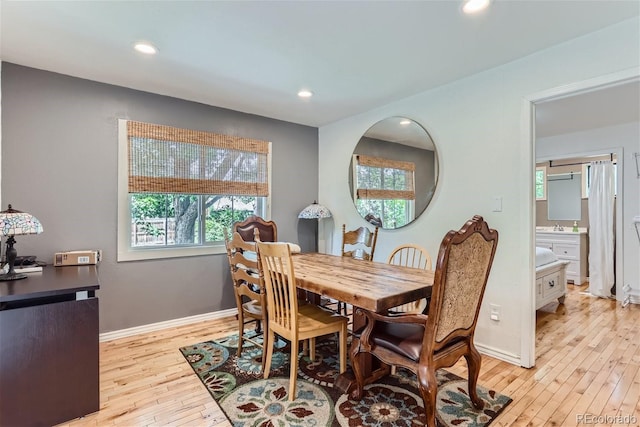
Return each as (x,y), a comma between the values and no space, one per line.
(533,105)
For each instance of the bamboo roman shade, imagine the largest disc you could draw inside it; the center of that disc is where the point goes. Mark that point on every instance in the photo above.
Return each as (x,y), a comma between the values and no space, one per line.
(164,159)
(384,179)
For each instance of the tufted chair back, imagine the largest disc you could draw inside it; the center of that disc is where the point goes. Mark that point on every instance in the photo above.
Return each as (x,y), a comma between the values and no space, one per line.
(462,271)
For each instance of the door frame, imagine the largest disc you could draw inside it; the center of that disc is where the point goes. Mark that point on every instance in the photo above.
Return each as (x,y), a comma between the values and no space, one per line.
(528,330)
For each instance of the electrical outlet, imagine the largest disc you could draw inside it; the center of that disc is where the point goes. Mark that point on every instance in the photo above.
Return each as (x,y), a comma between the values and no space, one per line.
(494,313)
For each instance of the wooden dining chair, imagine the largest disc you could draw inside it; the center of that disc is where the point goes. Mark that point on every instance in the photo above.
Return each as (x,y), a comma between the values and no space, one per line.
(415,256)
(291,319)
(255,228)
(249,291)
(359,243)
(426,343)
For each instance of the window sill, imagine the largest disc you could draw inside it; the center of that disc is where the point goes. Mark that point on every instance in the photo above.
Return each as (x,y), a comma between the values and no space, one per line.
(162,253)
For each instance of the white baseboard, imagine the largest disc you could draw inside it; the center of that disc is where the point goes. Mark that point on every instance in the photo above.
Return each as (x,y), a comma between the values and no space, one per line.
(499,354)
(122,333)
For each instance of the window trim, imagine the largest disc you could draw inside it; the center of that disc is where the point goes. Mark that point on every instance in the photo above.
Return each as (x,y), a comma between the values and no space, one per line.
(124,251)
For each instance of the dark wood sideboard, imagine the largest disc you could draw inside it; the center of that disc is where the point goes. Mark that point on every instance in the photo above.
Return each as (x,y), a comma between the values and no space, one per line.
(49,351)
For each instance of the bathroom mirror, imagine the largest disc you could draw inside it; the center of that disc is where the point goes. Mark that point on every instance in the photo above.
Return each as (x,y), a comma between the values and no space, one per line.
(564,196)
(393,172)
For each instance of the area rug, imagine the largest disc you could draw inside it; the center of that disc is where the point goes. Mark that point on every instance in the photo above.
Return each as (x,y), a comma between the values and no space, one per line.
(247,399)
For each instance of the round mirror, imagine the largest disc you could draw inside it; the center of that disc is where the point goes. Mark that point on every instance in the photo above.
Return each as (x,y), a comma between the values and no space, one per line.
(393,172)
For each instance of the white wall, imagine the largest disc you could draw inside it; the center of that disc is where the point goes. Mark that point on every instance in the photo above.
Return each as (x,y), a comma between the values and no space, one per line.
(606,140)
(476,125)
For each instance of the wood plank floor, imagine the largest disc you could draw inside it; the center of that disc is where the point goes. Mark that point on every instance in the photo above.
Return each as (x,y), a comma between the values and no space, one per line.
(588,365)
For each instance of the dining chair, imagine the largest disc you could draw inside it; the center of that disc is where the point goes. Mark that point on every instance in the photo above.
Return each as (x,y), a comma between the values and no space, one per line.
(415,256)
(255,228)
(358,244)
(293,320)
(249,291)
(424,343)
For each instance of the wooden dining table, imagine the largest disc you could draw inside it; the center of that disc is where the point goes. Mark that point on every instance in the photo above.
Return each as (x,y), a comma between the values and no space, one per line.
(369,285)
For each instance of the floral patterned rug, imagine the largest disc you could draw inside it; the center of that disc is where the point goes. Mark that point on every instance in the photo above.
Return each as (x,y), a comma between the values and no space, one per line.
(247,399)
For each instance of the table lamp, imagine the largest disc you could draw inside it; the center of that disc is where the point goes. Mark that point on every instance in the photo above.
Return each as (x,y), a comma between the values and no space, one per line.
(13,223)
(315,211)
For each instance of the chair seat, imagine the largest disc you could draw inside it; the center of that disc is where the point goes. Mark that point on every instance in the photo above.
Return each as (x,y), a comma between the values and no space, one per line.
(402,338)
(312,317)
(253,308)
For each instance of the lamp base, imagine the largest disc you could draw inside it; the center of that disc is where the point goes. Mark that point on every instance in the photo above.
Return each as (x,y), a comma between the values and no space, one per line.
(15,276)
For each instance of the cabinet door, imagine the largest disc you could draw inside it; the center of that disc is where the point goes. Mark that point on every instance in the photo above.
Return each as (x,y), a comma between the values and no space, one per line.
(49,366)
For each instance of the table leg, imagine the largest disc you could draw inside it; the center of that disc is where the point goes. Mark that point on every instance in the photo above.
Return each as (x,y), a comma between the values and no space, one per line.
(373,368)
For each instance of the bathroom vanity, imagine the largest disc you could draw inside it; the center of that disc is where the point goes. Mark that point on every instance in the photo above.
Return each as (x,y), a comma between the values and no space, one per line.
(568,246)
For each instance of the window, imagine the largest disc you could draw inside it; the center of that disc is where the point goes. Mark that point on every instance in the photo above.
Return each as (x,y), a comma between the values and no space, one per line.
(384,188)
(541,183)
(179,189)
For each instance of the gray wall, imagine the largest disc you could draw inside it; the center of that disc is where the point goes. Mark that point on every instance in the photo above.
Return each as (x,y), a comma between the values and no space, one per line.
(59,163)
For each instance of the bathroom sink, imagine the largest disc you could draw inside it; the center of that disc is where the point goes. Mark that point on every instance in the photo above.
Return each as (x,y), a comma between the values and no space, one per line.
(564,230)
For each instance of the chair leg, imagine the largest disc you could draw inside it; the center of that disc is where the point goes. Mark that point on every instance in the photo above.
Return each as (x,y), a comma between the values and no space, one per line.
(269,350)
(266,343)
(343,348)
(428,390)
(474,360)
(240,332)
(312,349)
(294,370)
(356,361)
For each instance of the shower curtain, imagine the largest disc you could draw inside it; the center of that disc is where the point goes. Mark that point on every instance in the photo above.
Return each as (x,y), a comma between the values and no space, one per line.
(601,232)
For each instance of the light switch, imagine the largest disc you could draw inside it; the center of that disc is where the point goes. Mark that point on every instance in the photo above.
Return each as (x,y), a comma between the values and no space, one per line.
(497,204)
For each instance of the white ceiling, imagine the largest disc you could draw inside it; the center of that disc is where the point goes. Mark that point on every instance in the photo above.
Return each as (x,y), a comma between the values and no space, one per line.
(253,56)
(611,106)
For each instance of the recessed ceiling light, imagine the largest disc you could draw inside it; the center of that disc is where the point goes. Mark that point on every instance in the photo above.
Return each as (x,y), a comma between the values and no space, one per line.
(473,6)
(304,93)
(146,48)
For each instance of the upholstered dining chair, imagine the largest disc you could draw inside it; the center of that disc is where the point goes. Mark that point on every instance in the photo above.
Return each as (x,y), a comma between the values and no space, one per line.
(291,319)
(255,228)
(415,256)
(249,290)
(425,343)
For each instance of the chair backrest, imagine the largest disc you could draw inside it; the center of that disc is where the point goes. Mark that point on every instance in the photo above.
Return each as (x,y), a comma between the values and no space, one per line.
(246,270)
(280,285)
(462,270)
(255,228)
(410,255)
(359,243)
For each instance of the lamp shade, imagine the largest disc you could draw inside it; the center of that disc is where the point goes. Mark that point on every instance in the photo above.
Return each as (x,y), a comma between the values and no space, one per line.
(315,211)
(15,223)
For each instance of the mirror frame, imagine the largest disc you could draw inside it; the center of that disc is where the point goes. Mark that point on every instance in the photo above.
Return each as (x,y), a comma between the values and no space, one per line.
(408,142)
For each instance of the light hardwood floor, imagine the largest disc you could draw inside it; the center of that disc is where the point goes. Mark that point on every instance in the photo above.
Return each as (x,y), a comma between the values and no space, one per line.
(588,364)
